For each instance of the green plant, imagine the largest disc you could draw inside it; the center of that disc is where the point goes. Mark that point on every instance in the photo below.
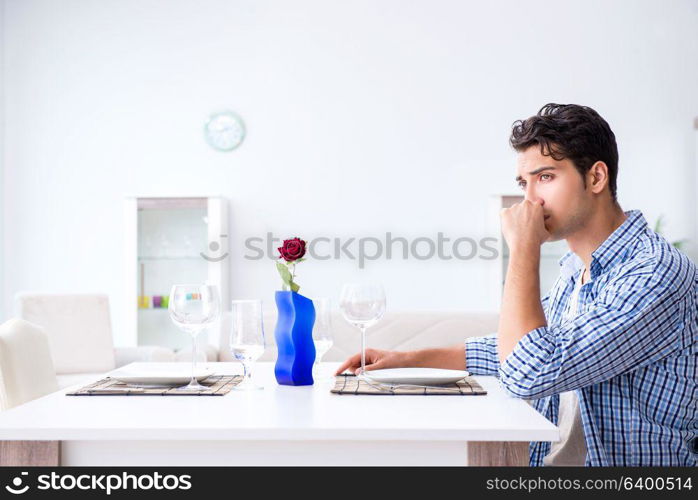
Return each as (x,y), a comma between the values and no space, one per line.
(658,226)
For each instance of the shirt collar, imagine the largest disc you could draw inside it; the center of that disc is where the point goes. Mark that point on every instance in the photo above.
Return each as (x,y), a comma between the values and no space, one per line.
(570,264)
(611,251)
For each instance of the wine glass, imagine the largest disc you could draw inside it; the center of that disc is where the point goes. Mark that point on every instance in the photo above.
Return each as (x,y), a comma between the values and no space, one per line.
(193,308)
(247,338)
(322,330)
(362,305)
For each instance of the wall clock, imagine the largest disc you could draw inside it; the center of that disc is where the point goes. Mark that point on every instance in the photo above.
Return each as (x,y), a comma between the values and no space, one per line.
(224,131)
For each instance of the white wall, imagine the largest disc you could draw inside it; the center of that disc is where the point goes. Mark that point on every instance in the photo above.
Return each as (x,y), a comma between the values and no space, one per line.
(2,150)
(363,117)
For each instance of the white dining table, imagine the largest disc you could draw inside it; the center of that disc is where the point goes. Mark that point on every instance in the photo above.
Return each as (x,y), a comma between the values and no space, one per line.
(278,425)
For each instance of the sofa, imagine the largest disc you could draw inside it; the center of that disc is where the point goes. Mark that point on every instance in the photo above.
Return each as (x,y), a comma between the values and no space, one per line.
(395,331)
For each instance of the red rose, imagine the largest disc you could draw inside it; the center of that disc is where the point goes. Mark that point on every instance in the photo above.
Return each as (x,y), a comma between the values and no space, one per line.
(292,249)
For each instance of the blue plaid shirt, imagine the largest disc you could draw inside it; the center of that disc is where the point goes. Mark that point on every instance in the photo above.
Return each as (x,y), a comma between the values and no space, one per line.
(630,353)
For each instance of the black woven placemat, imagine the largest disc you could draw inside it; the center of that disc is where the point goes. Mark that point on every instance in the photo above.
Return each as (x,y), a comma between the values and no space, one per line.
(351,384)
(216,385)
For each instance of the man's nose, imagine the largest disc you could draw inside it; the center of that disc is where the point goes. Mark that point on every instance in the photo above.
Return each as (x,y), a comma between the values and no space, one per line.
(531,195)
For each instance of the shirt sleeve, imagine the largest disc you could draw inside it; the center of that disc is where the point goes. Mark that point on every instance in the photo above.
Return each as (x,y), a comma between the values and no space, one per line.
(634,321)
(481,355)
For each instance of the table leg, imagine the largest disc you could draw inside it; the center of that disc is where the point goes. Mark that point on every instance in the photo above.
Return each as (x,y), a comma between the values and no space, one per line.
(498,453)
(30,453)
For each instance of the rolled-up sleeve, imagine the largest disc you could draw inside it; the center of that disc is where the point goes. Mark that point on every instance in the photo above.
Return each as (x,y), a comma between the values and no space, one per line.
(635,320)
(481,355)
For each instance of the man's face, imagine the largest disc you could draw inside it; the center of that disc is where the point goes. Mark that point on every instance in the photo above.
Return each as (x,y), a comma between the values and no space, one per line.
(560,188)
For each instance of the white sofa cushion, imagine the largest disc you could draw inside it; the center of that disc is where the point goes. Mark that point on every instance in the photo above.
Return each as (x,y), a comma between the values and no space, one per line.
(78,328)
(78,379)
(184,354)
(396,331)
(126,355)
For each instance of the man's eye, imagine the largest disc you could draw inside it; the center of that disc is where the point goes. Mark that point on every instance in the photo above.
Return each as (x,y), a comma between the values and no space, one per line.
(522,184)
(546,177)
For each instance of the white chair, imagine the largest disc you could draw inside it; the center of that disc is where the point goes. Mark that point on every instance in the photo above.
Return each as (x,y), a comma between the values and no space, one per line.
(26,367)
(80,336)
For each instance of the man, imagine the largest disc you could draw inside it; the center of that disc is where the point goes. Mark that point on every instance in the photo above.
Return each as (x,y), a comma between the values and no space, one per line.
(610,353)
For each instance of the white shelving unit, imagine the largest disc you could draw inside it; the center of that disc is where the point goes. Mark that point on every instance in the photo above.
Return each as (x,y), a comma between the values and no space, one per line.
(550,252)
(169,241)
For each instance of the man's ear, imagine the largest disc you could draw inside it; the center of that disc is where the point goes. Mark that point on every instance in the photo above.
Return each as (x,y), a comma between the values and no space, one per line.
(597,177)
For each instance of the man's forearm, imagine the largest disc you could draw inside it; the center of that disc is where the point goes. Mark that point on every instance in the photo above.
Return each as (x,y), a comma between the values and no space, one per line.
(452,357)
(521,309)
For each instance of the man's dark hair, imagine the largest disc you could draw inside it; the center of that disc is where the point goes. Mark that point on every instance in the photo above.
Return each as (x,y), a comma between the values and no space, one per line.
(570,131)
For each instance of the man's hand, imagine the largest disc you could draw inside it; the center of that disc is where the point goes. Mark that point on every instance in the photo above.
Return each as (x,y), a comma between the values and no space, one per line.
(376,360)
(523,225)
(450,358)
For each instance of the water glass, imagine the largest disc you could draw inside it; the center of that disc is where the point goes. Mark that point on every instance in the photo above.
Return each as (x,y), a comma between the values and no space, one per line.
(322,330)
(247,338)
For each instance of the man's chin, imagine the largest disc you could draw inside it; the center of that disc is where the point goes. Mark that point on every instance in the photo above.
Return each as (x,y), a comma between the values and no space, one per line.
(554,237)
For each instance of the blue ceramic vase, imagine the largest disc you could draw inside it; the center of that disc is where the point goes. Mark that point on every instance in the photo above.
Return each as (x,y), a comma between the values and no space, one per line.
(294,339)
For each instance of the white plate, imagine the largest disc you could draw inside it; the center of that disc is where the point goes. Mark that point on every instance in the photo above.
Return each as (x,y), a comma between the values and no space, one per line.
(419,376)
(165,375)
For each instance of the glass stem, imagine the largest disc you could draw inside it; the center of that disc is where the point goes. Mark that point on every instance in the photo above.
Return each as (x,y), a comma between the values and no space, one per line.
(363,348)
(247,378)
(193,359)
